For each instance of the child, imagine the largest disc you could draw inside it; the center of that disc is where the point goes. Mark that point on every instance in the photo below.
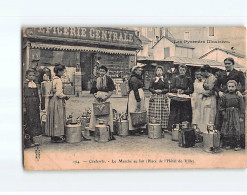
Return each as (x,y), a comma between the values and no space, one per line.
(232,107)
(31,108)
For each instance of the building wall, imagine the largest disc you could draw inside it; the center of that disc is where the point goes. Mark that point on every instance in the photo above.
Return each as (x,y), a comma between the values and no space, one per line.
(158,50)
(235,37)
(220,56)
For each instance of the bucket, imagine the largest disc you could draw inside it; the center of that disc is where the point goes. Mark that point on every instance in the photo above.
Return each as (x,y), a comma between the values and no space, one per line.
(138,118)
(73,133)
(154,131)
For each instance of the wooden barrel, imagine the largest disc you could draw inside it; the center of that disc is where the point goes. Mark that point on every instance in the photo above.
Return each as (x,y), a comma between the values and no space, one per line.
(123,128)
(154,131)
(73,133)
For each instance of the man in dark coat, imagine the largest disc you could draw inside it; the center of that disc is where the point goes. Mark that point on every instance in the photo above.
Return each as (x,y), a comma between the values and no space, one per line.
(221,84)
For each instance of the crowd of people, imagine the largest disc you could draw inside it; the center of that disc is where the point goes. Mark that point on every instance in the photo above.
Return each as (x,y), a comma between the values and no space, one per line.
(216,99)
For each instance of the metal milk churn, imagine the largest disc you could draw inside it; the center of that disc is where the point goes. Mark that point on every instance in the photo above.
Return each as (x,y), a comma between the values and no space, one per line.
(198,133)
(211,139)
(175,130)
(73,133)
(123,127)
(154,129)
(102,132)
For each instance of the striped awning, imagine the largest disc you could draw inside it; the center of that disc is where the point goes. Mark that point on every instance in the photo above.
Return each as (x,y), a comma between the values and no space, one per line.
(81,48)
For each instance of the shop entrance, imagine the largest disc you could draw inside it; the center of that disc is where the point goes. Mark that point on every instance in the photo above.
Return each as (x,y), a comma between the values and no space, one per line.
(86,62)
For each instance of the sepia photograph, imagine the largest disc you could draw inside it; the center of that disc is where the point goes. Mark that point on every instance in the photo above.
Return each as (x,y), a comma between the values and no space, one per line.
(133,97)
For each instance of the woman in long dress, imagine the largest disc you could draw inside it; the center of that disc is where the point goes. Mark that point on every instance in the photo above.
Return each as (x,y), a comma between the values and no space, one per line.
(196,99)
(158,103)
(102,89)
(56,113)
(181,110)
(208,107)
(136,100)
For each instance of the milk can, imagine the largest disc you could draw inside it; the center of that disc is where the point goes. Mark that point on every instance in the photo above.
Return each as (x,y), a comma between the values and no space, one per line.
(154,131)
(73,133)
(102,132)
(123,127)
(175,130)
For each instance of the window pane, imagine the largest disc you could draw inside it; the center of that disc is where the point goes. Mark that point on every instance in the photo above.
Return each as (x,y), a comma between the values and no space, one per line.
(166,52)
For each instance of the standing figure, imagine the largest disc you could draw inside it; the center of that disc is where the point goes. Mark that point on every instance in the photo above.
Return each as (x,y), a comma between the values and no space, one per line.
(181,110)
(208,105)
(196,99)
(56,113)
(136,100)
(221,85)
(31,107)
(102,89)
(232,108)
(46,78)
(158,103)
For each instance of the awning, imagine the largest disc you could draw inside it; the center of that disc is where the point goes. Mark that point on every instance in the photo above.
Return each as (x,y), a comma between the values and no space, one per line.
(80,48)
(199,62)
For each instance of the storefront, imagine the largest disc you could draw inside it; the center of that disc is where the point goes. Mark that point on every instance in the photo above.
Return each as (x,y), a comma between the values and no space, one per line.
(81,49)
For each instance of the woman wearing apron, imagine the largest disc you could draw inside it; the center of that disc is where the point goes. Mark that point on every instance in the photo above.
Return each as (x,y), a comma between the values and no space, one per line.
(102,89)
(158,103)
(56,113)
(136,101)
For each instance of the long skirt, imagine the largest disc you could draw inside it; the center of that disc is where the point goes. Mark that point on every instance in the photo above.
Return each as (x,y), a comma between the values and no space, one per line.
(159,109)
(208,112)
(180,111)
(108,118)
(196,103)
(32,117)
(231,125)
(56,117)
(132,105)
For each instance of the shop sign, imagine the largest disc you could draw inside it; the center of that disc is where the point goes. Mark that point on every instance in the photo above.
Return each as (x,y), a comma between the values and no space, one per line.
(110,35)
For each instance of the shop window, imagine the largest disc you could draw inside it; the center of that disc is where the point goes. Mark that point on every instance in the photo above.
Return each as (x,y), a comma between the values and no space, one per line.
(186,36)
(211,31)
(166,52)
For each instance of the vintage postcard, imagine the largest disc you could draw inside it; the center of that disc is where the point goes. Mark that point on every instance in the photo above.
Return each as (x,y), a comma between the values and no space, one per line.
(133,97)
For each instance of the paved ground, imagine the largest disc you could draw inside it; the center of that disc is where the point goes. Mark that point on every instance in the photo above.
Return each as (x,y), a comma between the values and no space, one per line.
(135,143)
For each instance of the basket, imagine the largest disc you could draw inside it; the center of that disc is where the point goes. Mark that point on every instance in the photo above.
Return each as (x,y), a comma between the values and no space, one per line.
(138,118)
(101,109)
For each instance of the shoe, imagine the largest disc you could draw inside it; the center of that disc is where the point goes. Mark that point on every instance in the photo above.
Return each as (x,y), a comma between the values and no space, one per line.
(57,139)
(237,148)
(228,147)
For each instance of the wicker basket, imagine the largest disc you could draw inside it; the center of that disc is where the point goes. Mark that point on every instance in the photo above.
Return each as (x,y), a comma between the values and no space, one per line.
(138,118)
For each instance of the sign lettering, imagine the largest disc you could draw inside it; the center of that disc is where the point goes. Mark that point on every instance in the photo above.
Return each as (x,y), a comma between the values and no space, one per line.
(86,33)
